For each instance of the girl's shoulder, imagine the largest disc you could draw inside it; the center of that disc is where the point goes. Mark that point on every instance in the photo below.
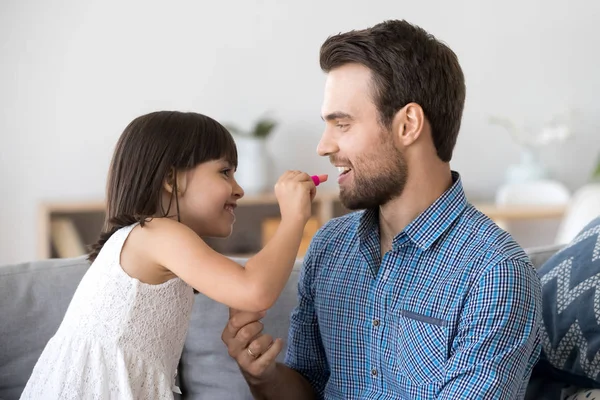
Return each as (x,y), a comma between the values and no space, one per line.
(161,225)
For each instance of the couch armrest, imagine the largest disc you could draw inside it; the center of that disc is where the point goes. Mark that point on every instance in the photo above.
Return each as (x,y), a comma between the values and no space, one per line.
(539,255)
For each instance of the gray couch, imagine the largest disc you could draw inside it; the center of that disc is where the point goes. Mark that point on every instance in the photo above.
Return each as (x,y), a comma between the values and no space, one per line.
(34,296)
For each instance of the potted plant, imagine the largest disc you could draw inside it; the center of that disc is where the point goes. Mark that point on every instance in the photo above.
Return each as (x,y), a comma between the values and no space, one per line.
(596,173)
(254,160)
(531,142)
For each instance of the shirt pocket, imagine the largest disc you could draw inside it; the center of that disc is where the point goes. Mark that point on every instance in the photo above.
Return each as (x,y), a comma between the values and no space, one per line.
(421,348)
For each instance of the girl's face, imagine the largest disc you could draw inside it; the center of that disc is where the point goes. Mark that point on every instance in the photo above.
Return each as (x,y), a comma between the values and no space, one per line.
(207,202)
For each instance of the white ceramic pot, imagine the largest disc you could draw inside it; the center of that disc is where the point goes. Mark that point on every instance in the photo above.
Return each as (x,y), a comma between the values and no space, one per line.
(254,162)
(529,169)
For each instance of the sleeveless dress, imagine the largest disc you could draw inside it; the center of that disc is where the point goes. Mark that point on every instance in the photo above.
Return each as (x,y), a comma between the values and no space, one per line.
(120,338)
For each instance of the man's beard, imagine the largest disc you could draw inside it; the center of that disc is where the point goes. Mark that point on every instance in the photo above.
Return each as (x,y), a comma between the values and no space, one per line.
(375,185)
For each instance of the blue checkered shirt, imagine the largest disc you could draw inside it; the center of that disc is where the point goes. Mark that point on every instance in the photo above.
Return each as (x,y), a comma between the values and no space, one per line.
(451,312)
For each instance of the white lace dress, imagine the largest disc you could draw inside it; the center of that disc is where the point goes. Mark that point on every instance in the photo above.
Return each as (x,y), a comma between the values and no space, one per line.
(120,338)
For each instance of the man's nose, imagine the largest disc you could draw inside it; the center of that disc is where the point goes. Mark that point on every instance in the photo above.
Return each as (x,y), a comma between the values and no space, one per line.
(327,145)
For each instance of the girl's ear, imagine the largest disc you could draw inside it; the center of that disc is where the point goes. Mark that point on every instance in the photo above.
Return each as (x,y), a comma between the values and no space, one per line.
(175,182)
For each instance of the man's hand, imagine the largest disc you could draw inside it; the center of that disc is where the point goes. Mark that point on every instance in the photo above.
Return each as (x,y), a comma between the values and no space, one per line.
(254,351)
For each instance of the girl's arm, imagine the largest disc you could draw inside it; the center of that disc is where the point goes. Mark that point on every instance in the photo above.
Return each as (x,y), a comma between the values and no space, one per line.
(253,288)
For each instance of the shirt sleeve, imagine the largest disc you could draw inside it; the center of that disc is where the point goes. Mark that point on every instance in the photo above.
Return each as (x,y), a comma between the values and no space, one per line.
(305,352)
(497,342)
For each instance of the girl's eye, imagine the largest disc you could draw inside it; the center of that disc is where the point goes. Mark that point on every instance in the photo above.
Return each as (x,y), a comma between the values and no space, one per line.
(226,172)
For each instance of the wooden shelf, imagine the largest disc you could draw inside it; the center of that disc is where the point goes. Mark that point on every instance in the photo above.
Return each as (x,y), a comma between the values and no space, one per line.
(87,218)
(517,212)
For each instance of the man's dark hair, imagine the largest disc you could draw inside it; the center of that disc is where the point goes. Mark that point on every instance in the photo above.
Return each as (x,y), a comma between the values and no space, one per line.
(408,65)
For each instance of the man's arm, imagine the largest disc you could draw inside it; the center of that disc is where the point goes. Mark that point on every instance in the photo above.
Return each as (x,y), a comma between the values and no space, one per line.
(497,343)
(306,372)
(256,352)
(285,383)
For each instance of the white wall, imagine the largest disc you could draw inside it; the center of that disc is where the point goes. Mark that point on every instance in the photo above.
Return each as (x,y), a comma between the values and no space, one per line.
(73,73)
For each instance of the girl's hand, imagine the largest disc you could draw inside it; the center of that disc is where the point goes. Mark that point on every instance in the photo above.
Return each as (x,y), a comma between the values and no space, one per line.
(295,191)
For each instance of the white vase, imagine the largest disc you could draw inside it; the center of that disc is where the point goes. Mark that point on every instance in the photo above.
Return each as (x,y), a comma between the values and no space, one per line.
(529,168)
(254,165)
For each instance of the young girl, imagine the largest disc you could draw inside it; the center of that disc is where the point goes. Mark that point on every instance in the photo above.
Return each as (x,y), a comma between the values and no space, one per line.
(171,182)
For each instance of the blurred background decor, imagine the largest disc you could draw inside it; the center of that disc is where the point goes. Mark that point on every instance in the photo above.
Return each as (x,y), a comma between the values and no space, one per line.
(255,164)
(531,142)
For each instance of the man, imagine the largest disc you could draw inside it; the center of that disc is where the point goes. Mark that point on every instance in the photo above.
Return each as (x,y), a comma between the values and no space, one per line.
(419,296)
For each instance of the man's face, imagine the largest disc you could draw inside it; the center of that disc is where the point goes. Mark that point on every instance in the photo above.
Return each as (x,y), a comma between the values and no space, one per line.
(372,169)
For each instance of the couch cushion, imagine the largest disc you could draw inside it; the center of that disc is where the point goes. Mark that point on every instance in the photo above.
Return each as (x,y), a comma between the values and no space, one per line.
(571,312)
(34,298)
(206,370)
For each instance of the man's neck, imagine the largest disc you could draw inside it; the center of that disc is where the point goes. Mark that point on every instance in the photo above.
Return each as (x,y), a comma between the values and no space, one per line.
(422,189)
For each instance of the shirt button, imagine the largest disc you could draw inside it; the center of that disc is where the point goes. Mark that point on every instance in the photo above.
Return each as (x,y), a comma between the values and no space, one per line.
(375,322)
(374,372)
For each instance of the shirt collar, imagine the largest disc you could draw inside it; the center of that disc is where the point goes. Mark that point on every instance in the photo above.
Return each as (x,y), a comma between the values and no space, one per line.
(424,230)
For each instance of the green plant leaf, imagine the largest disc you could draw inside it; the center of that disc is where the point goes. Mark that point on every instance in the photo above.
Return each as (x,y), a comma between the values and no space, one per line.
(264,127)
(596,173)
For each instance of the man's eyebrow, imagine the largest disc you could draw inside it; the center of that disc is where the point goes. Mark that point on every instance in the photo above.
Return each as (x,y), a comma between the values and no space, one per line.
(337,115)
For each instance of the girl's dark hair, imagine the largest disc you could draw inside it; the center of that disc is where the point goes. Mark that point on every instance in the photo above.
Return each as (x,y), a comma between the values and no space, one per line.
(150,148)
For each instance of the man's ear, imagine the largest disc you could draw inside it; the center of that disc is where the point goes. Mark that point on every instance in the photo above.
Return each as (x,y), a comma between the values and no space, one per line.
(175,181)
(408,124)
